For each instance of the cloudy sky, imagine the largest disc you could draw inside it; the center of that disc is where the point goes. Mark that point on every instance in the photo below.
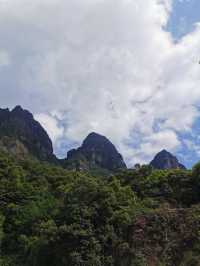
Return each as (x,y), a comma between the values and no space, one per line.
(128,69)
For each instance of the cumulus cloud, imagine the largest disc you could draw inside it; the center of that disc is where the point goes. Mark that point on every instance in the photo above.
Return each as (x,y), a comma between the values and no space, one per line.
(50,123)
(102,65)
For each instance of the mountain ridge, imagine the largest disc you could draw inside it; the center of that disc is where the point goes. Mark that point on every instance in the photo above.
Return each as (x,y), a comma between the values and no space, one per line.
(22,135)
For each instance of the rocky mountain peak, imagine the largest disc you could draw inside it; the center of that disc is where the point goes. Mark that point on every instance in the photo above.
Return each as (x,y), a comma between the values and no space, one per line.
(96,151)
(166,160)
(20,125)
(97,141)
(18,110)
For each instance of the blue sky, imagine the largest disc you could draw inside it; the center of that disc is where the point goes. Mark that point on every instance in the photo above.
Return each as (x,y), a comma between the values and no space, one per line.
(185,14)
(126,69)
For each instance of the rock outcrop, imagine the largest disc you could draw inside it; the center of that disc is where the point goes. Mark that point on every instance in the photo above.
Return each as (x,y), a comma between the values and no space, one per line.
(21,134)
(165,160)
(96,152)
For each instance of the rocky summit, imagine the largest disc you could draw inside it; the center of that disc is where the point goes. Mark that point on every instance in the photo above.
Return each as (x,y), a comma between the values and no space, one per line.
(96,152)
(165,160)
(50,216)
(21,134)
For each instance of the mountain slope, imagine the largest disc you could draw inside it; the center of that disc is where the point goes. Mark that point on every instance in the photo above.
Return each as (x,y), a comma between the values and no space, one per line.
(21,134)
(96,152)
(165,160)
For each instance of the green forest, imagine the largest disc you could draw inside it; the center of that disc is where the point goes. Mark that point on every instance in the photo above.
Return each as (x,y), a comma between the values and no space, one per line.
(99,132)
(50,216)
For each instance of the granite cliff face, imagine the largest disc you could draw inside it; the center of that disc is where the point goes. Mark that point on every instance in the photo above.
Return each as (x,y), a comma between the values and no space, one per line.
(96,152)
(21,135)
(165,160)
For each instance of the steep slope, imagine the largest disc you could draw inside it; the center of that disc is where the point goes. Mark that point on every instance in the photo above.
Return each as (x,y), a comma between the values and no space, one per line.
(96,152)
(20,134)
(165,160)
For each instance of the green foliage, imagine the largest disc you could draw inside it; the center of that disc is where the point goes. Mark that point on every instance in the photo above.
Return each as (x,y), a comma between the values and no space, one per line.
(51,216)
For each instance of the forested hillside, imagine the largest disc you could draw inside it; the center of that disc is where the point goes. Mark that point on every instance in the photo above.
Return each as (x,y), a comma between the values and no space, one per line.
(99,132)
(53,217)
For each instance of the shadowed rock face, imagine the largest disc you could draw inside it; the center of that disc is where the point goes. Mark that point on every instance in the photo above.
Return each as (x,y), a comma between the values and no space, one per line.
(19,130)
(13,147)
(165,160)
(96,151)
(21,135)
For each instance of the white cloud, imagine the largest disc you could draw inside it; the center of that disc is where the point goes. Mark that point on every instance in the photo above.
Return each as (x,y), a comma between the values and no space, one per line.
(50,123)
(4,59)
(105,65)
(159,141)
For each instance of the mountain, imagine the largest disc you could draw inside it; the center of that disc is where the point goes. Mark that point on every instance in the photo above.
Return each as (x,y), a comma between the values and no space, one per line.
(21,134)
(50,216)
(96,152)
(165,160)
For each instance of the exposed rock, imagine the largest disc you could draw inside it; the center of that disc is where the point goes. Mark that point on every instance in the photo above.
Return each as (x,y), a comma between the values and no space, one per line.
(165,160)
(19,128)
(96,152)
(13,147)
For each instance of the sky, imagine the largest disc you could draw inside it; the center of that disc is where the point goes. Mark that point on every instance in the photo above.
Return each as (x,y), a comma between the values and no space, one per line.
(127,69)
(185,14)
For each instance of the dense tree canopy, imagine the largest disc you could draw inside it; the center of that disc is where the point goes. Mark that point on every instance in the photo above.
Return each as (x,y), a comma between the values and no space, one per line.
(51,216)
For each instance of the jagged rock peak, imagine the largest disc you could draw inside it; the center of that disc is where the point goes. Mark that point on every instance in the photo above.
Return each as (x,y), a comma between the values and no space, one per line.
(18,111)
(17,108)
(19,124)
(97,140)
(166,160)
(97,151)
